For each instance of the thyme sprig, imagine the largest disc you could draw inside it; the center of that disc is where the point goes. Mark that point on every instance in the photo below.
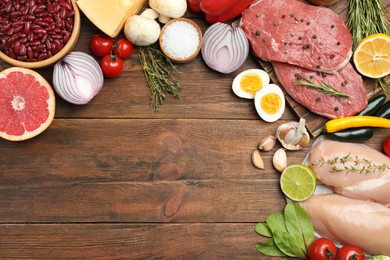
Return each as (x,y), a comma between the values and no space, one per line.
(325,88)
(352,164)
(159,74)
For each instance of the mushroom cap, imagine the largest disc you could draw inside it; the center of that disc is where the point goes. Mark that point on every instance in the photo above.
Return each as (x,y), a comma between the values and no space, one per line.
(141,31)
(170,8)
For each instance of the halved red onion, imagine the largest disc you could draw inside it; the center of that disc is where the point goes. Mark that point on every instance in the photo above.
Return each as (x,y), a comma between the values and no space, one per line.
(225,47)
(77,78)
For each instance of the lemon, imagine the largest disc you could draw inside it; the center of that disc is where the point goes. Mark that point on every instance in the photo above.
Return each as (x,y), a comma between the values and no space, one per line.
(372,56)
(298,182)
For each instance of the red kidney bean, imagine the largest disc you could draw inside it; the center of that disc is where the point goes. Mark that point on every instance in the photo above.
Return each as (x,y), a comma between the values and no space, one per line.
(27,27)
(23,40)
(30,53)
(42,56)
(23,50)
(18,28)
(5,28)
(25,10)
(11,53)
(16,47)
(50,8)
(32,9)
(8,7)
(30,36)
(21,58)
(40,31)
(35,42)
(67,5)
(62,13)
(50,27)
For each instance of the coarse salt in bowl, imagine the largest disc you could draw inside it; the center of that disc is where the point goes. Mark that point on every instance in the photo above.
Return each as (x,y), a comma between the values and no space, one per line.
(180,40)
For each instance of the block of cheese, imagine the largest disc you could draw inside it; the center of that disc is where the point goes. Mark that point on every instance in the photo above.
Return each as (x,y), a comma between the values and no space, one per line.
(110,15)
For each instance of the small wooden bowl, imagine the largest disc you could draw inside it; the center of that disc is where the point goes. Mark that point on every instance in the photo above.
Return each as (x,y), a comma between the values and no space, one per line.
(193,55)
(65,50)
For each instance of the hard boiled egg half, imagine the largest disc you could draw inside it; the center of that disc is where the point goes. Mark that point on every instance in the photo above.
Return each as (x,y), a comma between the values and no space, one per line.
(248,82)
(270,103)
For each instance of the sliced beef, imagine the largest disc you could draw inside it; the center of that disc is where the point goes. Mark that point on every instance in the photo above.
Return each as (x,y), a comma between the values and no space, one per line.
(346,81)
(290,31)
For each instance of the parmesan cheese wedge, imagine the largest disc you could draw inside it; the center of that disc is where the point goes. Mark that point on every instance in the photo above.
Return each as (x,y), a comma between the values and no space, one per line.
(110,15)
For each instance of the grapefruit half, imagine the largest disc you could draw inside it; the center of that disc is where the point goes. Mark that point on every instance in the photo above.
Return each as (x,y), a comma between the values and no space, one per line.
(27,104)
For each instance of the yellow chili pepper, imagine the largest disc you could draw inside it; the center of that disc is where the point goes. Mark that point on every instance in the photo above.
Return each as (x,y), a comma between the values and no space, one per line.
(338,124)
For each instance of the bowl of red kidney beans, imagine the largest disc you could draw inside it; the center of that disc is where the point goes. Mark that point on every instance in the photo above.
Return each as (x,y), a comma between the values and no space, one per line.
(37,33)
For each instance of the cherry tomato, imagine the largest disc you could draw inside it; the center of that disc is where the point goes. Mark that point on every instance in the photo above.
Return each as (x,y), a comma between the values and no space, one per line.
(111,66)
(101,46)
(350,253)
(123,48)
(386,146)
(322,249)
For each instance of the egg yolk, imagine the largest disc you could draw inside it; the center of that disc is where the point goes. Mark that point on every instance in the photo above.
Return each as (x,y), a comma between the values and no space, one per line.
(251,83)
(271,103)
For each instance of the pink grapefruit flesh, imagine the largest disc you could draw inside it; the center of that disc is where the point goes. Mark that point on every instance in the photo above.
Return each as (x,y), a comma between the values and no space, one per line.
(27,104)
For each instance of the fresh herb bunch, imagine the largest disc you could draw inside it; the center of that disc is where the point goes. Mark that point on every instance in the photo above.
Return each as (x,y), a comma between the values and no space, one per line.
(366,17)
(159,74)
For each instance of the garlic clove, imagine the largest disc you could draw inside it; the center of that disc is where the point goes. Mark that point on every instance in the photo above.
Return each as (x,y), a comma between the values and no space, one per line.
(279,159)
(267,143)
(293,135)
(257,160)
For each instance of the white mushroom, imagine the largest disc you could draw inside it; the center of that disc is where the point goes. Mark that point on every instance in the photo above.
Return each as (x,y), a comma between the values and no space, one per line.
(143,30)
(169,8)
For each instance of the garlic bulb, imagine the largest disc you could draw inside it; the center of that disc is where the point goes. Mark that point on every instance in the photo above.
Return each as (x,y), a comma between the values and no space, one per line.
(293,135)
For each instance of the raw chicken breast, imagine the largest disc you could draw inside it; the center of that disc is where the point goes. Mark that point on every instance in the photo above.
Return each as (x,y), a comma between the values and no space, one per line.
(365,224)
(353,170)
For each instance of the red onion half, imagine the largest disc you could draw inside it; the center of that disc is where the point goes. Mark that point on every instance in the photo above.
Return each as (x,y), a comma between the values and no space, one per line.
(225,47)
(77,78)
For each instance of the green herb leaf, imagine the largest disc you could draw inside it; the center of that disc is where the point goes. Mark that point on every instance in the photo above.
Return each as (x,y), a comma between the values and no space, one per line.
(269,248)
(276,222)
(288,244)
(263,229)
(299,224)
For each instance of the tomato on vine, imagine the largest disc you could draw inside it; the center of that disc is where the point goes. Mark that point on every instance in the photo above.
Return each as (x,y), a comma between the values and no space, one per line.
(111,65)
(350,253)
(322,249)
(101,46)
(123,48)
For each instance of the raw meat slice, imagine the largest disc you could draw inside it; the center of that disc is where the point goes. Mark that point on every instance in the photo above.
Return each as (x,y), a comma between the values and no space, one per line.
(346,81)
(308,36)
(352,170)
(365,224)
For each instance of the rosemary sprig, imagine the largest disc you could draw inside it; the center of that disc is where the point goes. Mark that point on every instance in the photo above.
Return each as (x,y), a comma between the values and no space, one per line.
(159,74)
(352,164)
(366,17)
(325,88)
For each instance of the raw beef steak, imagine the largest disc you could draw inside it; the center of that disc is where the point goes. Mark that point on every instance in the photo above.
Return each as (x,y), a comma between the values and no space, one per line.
(289,31)
(345,81)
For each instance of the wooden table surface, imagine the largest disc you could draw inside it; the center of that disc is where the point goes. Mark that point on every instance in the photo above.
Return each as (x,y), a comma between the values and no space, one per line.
(115,180)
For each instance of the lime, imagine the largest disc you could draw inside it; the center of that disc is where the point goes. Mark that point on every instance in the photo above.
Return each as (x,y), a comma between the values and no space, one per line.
(298,182)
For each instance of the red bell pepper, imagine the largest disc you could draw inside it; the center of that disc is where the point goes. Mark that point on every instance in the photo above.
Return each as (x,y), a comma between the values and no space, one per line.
(219,10)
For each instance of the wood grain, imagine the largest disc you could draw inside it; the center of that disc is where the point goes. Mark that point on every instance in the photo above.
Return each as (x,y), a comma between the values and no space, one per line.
(130,241)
